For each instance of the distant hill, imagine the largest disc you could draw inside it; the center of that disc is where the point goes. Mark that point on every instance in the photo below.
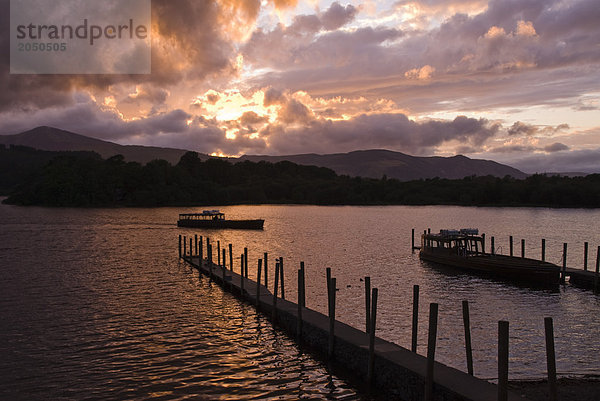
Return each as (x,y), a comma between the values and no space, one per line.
(377,163)
(54,139)
(363,163)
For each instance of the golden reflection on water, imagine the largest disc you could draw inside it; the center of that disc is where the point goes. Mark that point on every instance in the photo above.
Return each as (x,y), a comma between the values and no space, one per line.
(102,307)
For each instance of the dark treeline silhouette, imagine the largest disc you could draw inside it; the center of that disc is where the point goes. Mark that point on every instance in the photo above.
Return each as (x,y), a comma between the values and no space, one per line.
(84,179)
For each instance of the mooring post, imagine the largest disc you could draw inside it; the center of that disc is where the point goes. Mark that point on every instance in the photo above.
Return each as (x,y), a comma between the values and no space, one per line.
(483,243)
(502,360)
(367,304)
(492,245)
(413,239)
(585,255)
(303,287)
(179,246)
(563,278)
(242,279)
(543,249)
(597,269)
(373,324)
(191,249)
(275,289)
(511,245)
(266,258)
(223,267)
(523,248)
(431,341)
(299,304)
(231,257)
(282,281)
(331,317)
(196,244)
(184,246)
(467,324)
(258,283)
(246,262)
(550,357)
(415,318)
(209,255)
(328,277)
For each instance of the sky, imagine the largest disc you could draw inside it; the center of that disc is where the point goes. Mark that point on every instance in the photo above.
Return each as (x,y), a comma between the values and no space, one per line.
(515,81)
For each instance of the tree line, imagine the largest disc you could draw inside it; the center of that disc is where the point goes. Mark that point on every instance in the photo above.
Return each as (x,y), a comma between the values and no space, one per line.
(84,179)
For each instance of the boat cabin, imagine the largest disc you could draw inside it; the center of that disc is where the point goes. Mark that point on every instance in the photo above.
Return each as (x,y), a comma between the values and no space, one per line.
(464,242)
(214,215)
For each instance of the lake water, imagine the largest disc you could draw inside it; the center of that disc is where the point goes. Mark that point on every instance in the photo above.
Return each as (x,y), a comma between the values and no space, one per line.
(94,303)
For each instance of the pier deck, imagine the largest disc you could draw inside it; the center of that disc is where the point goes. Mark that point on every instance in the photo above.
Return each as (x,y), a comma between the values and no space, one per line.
(398,372)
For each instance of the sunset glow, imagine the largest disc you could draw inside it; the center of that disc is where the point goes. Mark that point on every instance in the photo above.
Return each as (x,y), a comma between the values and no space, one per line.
(515,82)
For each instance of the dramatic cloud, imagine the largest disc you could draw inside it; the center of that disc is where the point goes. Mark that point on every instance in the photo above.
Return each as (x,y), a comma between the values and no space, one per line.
(505,79)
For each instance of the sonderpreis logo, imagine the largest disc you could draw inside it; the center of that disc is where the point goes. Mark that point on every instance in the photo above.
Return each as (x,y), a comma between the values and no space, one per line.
(80,37)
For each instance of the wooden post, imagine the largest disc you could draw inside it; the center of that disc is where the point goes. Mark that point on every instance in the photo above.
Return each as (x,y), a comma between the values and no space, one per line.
(511,245)
(266,258)
(563,277)
(246,262)
(467,325)
(432,337)
(209,255)
(282,281)
(230,257)
(483,243)
(257,283)
(550,357)
(413,239)
(543,249)
(196,244)
(331,317)
(585,255)
(184,246)
(328,277)
(300,285)
(415,318)
(219,253)
(373,324)
(523,248)
(224,267)
(597,269)
(367,303)
(303,298)
(493,246)
(191,249)
(275,289)
(179,246)
(502,360)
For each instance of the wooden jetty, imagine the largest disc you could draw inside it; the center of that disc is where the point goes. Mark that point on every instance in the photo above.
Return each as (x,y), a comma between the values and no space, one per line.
(582,278)
(394,371)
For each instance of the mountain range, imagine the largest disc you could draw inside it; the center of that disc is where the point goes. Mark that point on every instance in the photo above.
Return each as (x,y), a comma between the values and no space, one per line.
(365,163)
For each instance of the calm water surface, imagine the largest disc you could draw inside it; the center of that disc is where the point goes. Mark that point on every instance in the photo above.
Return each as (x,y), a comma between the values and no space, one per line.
(95,305)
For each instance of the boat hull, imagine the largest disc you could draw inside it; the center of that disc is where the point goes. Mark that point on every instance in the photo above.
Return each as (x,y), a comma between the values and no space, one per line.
(522,270)
(216,224)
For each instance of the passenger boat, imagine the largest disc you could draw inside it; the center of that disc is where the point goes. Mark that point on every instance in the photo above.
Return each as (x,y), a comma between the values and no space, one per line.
(465,249)
(216,219)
